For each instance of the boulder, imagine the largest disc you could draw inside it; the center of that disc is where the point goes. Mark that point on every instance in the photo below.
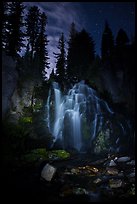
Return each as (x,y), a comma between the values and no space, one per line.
(123,159)
(48,172)
(115,183)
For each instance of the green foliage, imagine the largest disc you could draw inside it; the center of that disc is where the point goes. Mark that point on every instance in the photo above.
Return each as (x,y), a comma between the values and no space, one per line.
(35,155)
(40,154)
(37,106)
(25,120)
(58,154)
(102,142)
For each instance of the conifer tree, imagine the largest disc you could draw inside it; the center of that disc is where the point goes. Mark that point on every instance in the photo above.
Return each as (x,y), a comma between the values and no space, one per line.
(14,34)
(41,47)
(61,60)
(122,38)
(81,54)
(32,27)
(71,51)
(4,23)
(107,46)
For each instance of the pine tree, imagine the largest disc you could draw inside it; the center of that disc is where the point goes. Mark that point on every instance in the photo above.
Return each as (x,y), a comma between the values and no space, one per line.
(81,54)
(14,35)
(122,38)
(71,52)
(85,54)
(41,54)
(107,46)
(32,27)
(4,23)
(61,60)
(123,52)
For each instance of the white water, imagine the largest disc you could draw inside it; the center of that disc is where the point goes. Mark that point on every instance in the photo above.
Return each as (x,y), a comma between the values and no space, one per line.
(80,104)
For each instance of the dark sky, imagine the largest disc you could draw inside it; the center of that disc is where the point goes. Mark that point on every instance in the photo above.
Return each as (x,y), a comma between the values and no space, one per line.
(88,15)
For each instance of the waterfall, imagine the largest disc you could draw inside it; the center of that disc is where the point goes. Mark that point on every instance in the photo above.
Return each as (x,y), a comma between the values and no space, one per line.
(48,110)
(58,111)
(75,119)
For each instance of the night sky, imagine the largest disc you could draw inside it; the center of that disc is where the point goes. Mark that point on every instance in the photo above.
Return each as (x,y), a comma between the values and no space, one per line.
(88,15)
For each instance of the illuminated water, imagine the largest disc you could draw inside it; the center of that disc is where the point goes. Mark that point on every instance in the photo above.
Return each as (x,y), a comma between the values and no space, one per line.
(76,118)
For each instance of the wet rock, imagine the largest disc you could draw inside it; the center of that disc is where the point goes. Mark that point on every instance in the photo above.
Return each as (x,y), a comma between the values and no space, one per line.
(115,183)
(112,163)
(92,169)
(123,159)
(131,191)
(86,170)
(98,180)
(111,171)
(131,175)
(68,173)
(121,174)
(100,161)
(115,159)
(132,163)
(75,171)
(80,191)
(48,172)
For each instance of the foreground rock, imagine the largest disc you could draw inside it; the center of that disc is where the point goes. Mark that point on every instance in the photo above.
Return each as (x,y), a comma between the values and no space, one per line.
(48,172)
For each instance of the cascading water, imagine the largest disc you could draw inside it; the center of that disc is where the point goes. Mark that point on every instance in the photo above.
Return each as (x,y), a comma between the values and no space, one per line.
(77,118)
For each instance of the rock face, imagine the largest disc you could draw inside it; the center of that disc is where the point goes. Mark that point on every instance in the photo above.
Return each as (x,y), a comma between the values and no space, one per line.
(22,97)
(17,89)
(9,82)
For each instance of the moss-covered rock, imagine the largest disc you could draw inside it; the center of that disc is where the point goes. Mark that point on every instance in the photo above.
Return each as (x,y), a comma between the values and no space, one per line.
(102,142)
(35,155)
(58,154)
(27,119)
(41,154)
(37,105)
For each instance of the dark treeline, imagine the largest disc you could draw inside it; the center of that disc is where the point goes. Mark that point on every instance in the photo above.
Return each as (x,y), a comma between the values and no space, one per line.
(25,33)
(76,59)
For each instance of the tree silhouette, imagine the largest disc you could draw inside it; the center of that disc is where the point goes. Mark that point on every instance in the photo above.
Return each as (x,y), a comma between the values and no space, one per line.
(4,23)
(14,34)
(32,27)
(61,60)
(122,38)
(71,52)
(81,54)
(107,45)
(41,55)
(85,54)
